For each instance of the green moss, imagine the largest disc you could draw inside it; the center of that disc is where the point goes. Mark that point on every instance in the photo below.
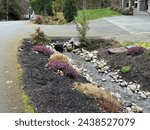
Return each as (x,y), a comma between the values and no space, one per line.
(20,71)
(28,108)
(125,69)
(142,44)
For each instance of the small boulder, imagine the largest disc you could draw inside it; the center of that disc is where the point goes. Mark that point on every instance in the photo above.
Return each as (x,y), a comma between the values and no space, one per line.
(75,42)
(117,50)
(59,46)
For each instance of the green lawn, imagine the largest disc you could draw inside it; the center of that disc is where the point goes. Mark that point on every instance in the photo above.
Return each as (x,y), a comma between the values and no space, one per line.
(97,13)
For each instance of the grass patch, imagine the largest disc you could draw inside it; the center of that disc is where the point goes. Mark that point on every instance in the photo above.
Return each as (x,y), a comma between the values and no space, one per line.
(142,44)
(97,13)
(28,108)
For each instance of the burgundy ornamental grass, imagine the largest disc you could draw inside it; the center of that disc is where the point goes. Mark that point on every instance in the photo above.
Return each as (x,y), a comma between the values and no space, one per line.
(42,49)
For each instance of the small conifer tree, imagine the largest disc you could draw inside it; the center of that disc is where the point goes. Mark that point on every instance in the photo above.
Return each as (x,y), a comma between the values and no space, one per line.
(70,10)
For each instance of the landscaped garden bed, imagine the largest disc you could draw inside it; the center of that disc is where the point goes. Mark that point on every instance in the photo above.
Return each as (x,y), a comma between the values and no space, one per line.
(48,91)
(62,75)
(54,83)
(139,64)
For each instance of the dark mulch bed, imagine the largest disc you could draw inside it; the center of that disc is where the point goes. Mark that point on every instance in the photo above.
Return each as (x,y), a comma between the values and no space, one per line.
(140,65)
(49,92)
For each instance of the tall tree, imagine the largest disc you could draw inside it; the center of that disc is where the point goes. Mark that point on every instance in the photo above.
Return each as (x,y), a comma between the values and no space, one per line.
(1,10)
(70,10)
(11,10)
(42,7)
(57,5)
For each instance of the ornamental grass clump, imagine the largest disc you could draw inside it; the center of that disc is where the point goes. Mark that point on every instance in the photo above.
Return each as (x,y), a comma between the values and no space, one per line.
(66,68)
(60,57)
(39,37)
(42,49)
(105,100)
(136,50)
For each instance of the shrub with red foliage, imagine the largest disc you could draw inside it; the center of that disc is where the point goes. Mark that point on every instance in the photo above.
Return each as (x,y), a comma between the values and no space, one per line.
(42,49)
(136,50)
(63,66)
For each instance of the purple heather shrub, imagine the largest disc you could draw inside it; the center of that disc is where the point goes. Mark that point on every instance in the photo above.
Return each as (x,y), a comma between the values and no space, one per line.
(136,50)
(63,66)
(42,49)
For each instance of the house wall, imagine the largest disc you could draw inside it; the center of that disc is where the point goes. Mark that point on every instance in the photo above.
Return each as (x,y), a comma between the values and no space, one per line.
(148,6)
(142,5)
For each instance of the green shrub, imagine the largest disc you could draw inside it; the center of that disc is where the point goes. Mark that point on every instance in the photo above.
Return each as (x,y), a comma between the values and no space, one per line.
(125,69)
(39,37)
(70,10)
(38,20)
(82,28)
(58,18)
(57,6)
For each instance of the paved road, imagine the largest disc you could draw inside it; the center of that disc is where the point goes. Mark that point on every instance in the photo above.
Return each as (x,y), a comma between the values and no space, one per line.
(123,28)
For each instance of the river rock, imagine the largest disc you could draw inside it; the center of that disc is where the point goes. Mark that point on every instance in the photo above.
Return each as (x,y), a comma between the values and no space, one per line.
(102,65)
(142,95)
(106,72)
(76,51)
(147,94)
(117,95)
(132,87)
(112,80)
(104,80)
(138,86)
(90,55)
(69,47)
(94,57)
(128,90)
(101,71)
(94,60)
(59,46)
(129,110)
(95,52)
(137,109)
(75,42)
(117,50)
(106,68)
(88,59)
(127,104)
(84,70)
(123,84)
